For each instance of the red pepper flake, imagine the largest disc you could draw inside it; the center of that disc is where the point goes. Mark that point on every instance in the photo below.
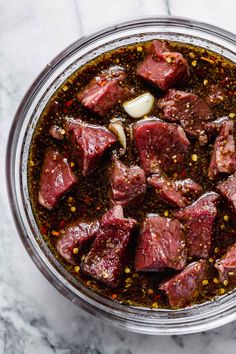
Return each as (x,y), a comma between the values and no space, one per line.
(157,297)
(69,103)
(55,233)
(102,83)
(62,223)
(43,230)
(114,296)
(209,60)
(222,71)
(183,173)
(88,200)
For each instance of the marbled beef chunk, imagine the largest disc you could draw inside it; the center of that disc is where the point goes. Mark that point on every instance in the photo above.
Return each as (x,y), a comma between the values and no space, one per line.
(163,68)
(89,143)
(55,180)
(215,126)
(104,91)
(160,145)
(226,265)
(228,190)
(161,245)
(184,287)
(198,221)
(176,193)
(223,159)
(127,183)
(186,108)
(76,235)
(105,259)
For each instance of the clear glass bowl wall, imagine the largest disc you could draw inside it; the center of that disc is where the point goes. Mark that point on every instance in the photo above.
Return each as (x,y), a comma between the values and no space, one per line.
(189,320)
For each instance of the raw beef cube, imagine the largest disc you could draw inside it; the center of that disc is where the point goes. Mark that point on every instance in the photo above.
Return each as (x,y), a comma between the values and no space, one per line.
(198,220)
(184,287)
(161,245)
(105,259)
(223,159)
(163,68)
(76,235)
(103,92)
(89,143)
(55,180)
(186,108)
(127,183)
(215,125)
(228,190)
(160,145)
(188,186)
(174,192)
(226,266)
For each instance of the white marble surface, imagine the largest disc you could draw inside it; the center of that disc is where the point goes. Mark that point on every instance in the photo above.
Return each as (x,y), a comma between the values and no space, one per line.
(34,317)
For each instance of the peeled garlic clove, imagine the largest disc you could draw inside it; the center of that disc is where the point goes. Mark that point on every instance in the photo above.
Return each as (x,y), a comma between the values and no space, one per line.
(139,106)
(117,129)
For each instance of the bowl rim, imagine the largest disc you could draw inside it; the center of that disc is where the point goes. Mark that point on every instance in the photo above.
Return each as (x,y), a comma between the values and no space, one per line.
(91,307)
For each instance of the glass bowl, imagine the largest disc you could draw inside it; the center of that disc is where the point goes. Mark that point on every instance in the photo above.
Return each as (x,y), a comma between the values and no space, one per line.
(150,321)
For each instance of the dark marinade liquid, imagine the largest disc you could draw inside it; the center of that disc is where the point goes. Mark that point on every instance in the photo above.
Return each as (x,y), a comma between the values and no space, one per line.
(90,196)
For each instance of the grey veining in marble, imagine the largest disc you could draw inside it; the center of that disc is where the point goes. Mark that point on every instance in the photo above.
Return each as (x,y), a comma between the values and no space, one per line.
(34,317)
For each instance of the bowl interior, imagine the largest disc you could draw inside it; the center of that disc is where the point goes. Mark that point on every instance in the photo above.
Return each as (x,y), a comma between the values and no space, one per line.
(193,319)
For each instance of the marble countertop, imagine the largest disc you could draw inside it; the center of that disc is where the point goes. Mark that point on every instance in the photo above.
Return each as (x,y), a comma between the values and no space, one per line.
(34,317)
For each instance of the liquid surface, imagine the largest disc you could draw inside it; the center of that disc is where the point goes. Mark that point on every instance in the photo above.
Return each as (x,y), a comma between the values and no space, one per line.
(90,197)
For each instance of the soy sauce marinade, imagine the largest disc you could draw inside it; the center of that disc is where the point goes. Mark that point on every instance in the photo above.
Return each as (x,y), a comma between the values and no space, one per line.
(89,200)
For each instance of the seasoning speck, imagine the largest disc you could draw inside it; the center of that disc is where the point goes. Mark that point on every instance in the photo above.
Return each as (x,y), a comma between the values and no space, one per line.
(139,49)
(194,157)
(221,291)
(205,282)
(75,250)
(55,233)
(191,55)
(127,270)
(225,282)
(77,269)
(154,305)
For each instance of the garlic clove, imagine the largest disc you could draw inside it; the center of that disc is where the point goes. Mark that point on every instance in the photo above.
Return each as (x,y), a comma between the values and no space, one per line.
(139,106)
(117,129)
